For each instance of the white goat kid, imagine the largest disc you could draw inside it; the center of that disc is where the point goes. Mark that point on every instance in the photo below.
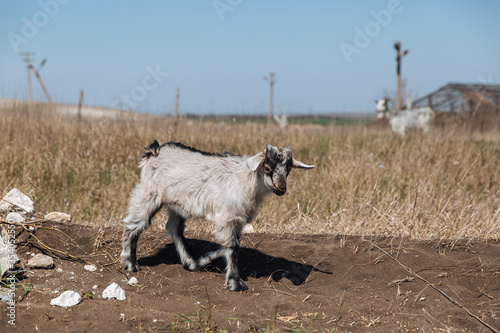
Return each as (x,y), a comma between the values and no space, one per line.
(224,189)
(401,121)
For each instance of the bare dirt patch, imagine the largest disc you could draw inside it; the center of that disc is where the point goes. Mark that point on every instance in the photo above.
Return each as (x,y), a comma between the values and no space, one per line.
(296,282)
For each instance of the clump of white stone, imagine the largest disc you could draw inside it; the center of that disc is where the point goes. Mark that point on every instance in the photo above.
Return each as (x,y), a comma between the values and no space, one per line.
(16,200)
(58,217)
(14,217)
(114,291)
(91,267)
(8,256)
(67,299)
(41,261)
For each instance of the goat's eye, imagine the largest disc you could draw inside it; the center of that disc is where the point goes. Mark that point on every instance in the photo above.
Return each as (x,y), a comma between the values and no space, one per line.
(268,170)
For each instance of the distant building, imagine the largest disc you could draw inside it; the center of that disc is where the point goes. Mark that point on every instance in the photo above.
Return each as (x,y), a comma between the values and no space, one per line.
(461,98)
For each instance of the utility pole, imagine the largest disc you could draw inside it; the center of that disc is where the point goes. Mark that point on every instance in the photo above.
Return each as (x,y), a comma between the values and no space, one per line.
(28,66)
(271,89)
(41,83)
(79,111)
(176,110)
(397,46)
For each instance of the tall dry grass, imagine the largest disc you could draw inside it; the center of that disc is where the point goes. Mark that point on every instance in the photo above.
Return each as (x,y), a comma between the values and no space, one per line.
(367,181)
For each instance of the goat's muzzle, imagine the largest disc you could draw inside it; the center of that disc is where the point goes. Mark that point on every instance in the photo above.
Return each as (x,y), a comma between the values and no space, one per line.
(279,189)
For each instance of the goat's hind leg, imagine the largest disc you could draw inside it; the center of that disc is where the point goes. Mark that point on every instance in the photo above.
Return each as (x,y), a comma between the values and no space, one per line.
(129,248)
(141,210)
(175,228)
(209,257)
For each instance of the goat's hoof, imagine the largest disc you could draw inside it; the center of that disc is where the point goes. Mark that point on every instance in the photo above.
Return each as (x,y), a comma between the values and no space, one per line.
(132,267)
(236,285)
(191,265)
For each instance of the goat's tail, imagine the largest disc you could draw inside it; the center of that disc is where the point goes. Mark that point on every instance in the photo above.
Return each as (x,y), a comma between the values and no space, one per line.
(150,151)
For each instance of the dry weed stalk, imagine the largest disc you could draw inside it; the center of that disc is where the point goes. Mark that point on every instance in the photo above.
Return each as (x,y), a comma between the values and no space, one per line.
(428,284)
(32,226)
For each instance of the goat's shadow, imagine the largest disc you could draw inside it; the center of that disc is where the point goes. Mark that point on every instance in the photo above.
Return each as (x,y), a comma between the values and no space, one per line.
(252,263)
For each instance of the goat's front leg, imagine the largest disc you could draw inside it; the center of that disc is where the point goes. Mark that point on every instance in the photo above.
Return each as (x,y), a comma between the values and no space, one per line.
(233,279)
(228,236)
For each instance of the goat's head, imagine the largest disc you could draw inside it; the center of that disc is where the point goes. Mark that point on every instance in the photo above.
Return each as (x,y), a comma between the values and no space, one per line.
(275,164)
(382,107)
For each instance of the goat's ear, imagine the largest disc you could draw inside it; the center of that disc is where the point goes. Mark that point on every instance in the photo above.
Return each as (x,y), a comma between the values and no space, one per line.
(268,149)
(299,165)
(255,161)
(287,151)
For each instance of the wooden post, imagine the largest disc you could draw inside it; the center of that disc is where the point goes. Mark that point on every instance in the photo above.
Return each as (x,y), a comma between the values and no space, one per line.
(79,112)
(397,46)
(271,88)
(176,110)
(41,84)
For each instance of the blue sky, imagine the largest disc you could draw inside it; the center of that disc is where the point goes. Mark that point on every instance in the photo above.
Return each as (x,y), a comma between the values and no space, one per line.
(328,56)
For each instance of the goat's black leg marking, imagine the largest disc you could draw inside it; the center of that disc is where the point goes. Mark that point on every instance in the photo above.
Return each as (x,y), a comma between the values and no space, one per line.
(129,249)
(233,279)
(227,233)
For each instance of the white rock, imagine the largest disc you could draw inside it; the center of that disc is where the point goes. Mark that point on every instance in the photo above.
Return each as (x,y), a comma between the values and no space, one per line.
(16,200)
(58,217)
(94,286)
(133,281)
(59,269)
(41,261)
(66,299)
(90,267)
(6,295)
(114,291)
(8,255)
(14,217)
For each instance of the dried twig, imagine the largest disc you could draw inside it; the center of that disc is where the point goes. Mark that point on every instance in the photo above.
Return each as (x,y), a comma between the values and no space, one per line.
(52,250)
(409,270)
(37,224)
(399,281)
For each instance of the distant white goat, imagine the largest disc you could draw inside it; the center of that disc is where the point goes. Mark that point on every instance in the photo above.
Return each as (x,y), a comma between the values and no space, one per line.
(224,189)
(401,121)
(282,120)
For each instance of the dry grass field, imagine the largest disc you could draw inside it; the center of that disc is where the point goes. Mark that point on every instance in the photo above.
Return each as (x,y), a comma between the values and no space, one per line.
(363,242)
(367,181)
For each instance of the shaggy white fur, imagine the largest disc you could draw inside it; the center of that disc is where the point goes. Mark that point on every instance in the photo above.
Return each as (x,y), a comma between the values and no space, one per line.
(224,189)
(402,121)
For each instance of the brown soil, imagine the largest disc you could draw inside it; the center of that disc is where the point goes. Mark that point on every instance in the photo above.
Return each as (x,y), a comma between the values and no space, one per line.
(305,283)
